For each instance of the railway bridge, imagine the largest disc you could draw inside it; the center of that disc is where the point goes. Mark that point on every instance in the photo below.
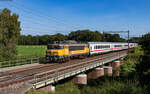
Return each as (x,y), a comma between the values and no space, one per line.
(47,74)
(97,64)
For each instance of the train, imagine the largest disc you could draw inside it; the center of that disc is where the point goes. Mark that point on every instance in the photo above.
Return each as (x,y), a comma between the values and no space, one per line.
(65,51)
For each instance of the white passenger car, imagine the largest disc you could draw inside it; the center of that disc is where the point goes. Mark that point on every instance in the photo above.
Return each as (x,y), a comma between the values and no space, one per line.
(99,47)
(103,47)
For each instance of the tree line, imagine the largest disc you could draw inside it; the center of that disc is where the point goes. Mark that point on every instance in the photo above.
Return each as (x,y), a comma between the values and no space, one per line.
(79,36)
(9,33)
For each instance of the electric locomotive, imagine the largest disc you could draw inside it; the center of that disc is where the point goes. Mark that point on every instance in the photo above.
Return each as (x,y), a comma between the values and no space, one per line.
(65,51)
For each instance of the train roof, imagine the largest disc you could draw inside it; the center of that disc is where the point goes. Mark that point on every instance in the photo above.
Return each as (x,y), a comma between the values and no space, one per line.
(68,44)
(107,42)
(90,43)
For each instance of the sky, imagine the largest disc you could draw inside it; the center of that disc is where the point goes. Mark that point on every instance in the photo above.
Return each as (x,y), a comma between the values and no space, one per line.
(39,17)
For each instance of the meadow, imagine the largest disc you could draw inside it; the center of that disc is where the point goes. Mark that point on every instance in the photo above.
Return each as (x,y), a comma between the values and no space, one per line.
(31,51)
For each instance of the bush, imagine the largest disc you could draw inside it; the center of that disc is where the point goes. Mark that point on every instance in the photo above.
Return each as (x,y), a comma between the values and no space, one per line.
(114,87)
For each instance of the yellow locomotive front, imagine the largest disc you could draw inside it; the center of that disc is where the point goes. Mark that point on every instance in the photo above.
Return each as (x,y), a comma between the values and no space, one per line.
(56,52)
(62,52)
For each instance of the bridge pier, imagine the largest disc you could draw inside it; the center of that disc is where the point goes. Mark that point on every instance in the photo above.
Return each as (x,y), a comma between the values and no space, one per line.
(108,70)
(80,79)
(115,66)
(48,88)
(122,58)
(96,73)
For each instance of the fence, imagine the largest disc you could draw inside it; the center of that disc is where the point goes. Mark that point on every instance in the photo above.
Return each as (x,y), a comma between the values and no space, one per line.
(12,63)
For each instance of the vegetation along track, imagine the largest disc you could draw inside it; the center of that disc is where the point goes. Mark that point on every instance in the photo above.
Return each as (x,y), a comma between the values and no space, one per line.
(22,75)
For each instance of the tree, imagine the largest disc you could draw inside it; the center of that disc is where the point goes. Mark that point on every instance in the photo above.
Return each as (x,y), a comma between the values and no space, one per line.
(145,42)
(135,39)
(9,33)
(58,37)
(112,38)
(143,68)
(107,37)
(85,36)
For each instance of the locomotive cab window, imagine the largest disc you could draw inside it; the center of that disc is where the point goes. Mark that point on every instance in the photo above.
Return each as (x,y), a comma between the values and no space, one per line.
(50,47)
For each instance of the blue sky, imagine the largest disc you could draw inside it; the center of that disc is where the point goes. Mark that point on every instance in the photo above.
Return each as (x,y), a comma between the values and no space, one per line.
(39,17)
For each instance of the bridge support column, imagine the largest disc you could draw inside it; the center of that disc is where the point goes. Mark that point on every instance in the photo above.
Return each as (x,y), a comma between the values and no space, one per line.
(122,58)
(108,70)
(80,79)
(48,88)
(96,73)
(116,65)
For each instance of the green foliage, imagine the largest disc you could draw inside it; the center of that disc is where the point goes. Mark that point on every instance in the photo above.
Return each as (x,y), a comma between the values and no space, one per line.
(131,60)
(32,91)
(143,68)
(128,67)
(87,35)
(145,42)
(9,34)
(135,39)
(79,36)
(109,86)
(99,86)
(112,38)
(40,40)
(67,88)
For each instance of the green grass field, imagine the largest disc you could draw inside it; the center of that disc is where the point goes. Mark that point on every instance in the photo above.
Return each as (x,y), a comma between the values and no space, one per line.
(31,51)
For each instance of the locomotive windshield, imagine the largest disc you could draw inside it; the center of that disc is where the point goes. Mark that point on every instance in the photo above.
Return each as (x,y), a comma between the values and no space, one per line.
(54,47)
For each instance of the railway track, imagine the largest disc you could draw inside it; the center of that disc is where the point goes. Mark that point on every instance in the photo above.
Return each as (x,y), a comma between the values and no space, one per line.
(23,75)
